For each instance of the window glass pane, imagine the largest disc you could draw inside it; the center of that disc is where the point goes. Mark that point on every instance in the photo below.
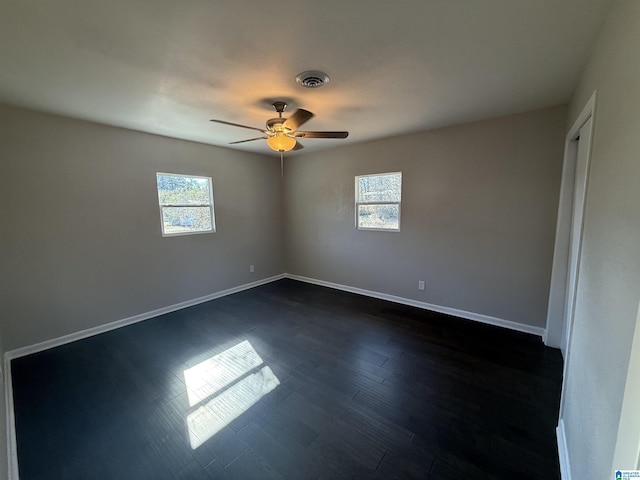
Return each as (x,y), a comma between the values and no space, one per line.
(379,216)
(186,219)
(186,203)
(379,188)
(182,190)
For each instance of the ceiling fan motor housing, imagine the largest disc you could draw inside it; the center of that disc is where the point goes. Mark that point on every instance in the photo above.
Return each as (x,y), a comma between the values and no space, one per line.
(276,124)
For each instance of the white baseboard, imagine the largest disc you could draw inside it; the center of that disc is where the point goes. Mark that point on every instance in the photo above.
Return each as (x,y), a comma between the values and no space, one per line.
(478,317)
(89,332)
(563,452)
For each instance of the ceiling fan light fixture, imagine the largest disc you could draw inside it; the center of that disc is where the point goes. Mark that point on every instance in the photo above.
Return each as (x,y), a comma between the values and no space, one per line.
(281,143)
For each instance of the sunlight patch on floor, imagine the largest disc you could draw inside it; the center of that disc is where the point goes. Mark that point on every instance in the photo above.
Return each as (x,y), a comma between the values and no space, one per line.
(218,412)
(224,382)
(215,373)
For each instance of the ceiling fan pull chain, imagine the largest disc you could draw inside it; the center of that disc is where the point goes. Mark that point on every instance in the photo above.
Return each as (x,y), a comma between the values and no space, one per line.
(281,165)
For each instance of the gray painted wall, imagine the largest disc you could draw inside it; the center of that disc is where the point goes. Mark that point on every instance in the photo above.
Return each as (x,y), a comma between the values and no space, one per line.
(81,242)
(478,215)
(609,285)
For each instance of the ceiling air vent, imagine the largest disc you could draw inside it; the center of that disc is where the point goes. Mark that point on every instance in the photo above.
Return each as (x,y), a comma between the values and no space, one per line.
(312,79)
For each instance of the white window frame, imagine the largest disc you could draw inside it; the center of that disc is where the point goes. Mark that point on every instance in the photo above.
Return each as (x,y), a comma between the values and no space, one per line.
(210,205)
(358,203)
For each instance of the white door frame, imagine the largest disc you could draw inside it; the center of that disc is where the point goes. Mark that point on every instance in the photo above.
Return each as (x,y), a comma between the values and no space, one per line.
(558,330)
(559,317)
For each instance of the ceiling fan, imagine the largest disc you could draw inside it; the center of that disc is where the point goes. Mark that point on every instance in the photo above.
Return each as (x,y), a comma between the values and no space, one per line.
(281,133)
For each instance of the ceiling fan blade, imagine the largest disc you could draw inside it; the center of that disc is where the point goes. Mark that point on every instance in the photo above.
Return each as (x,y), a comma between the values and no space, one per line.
(298,146)
(322,134)
(249,140)
(296,120)
(238,125)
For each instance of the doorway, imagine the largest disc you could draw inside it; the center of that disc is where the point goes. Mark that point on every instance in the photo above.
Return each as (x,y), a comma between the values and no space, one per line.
(567,250)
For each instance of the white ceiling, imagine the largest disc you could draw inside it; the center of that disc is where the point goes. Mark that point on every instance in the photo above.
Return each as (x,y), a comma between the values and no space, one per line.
(396,66)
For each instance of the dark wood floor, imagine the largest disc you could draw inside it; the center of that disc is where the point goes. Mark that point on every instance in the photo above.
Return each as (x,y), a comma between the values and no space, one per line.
(368,389)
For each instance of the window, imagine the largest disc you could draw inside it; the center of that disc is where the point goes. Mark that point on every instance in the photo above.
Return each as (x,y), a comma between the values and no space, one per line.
(186,204)
(378,201)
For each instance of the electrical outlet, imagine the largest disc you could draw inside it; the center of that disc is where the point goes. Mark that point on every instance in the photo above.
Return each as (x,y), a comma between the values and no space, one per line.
(252,269)
(420,284)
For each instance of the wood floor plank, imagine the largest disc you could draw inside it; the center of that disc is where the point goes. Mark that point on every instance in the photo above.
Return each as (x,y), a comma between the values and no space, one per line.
(287,459)
(250,465)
